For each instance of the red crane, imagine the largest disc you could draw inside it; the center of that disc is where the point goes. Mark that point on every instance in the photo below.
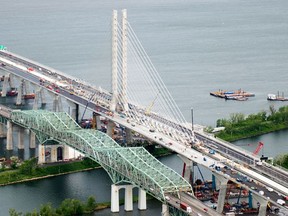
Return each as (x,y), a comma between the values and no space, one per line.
(259,147)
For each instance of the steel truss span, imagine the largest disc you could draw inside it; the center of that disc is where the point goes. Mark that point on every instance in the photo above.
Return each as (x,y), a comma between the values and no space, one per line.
(133,165)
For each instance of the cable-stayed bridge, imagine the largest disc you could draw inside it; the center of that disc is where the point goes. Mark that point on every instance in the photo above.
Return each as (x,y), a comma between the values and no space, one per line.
(134,80)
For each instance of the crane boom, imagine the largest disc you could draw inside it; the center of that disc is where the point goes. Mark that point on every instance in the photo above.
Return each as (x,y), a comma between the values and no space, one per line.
(259,147)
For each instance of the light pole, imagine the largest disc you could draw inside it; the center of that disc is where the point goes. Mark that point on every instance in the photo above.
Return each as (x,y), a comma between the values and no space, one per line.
(192,119)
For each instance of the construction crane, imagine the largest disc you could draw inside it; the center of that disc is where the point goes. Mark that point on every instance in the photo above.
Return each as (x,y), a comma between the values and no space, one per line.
(149,108)
(259,147)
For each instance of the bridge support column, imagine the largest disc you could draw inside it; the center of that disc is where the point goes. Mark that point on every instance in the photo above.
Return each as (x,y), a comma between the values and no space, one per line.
(9,145)
(98,122)
(32,137)
(110,128)
(188,169)
(128,206)
(5,86)
(221,184)
(11,81)
(54,153)
(20,93)
(261,202)
(73,110)
(57,104)
(165,210)
(20,138)
(41,154)
(114,198)
(2,131)
(65,152)
(128,135)
(142,203)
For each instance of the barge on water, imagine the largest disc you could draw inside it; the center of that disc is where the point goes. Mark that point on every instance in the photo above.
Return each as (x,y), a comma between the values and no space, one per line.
(273,97)
(239,95)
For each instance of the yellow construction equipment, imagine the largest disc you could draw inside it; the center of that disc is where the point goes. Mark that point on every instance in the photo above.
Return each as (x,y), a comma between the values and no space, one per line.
(149,108)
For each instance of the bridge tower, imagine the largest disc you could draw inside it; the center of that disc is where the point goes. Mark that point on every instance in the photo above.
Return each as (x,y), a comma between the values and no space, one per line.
(114,100)
(119,92)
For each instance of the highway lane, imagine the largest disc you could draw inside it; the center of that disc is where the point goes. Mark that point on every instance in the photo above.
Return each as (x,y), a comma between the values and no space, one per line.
(229,151)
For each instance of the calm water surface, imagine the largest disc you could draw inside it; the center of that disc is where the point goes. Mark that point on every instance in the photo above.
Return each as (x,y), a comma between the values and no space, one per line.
(197,46)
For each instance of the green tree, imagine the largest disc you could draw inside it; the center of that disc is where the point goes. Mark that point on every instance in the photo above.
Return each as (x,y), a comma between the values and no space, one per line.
(70,207)
(91,204)
(47,210)
(28,166)
(13,212)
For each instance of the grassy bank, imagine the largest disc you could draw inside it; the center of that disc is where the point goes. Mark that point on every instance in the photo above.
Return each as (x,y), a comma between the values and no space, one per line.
(239,127)
(29,170)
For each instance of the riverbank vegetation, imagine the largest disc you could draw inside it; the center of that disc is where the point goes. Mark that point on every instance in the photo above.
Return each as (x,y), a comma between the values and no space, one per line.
(30,170)
(67,207)
(281,160)
(240,126)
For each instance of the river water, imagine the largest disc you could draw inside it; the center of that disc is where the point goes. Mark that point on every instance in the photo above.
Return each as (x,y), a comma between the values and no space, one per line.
(197,46)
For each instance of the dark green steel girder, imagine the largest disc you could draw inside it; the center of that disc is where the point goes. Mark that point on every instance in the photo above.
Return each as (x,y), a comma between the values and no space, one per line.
(134,165)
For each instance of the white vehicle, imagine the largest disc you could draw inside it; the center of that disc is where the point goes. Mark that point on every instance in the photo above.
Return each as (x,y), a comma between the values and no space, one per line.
(281,202)
(259,163)
(167,198)
(270,189)
(261,193)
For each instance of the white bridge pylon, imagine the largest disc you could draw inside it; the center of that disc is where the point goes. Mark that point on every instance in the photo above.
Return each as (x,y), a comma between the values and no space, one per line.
(143,84)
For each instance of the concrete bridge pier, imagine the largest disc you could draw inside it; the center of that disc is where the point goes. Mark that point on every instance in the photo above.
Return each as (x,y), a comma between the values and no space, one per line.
(188,169)
(73,110)
(2,131)
(5,86)
(39,95)
(41,154)
(32,140)
(11,81)
(128,205)
(97,121)
(20,93)
(142,204)
(128,135)
(20,137)
(259,201)
(110,128)
(165,210)
(9,144)
(221,185)
(57,103)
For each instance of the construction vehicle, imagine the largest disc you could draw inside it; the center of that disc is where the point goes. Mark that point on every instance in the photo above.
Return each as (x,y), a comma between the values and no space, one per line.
(149,108)
(259,147)
(185,207)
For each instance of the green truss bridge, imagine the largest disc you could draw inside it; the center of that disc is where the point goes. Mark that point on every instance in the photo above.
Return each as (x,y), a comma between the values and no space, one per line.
(133,165)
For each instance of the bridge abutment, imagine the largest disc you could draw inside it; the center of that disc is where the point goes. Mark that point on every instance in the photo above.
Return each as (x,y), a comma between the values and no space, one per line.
(128,203)
(221,185)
